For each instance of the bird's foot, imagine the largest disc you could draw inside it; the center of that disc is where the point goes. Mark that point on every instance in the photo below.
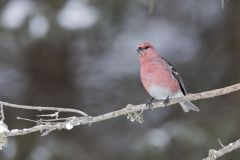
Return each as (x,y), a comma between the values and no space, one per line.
(166,101)
(149,104)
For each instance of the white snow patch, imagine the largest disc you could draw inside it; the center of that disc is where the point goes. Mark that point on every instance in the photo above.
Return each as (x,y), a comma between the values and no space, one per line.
(3,127)
(14,130)
(69,126)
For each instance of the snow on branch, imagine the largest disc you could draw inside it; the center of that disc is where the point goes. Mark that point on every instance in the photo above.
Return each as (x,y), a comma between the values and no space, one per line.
(214,154)
(50,122)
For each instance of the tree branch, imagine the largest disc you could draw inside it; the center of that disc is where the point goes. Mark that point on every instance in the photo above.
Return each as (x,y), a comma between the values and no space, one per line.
(214,154)
(43,126)
(42,108)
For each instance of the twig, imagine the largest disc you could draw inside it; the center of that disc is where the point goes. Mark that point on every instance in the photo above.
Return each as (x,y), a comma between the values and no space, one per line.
(55,120)
(43,120)
(75,121)
(214,154)
(2,113)
(42,108)
(26,119)
(56,115)
(220,142)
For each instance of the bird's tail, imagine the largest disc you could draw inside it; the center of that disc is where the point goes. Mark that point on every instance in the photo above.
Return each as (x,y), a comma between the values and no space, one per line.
(187,106)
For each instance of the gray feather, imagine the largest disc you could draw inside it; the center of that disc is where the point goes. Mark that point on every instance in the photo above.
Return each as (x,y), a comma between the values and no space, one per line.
(187,106)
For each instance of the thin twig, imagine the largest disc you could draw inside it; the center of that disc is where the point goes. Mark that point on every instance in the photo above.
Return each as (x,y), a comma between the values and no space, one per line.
(55,115)
(27,119)
(75,121)
(42,108)
(2,113)
(220,142)
(55,120)
(214,154)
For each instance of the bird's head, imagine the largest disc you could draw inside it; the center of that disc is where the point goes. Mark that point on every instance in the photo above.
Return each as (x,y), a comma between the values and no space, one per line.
(147,52)
(143,48)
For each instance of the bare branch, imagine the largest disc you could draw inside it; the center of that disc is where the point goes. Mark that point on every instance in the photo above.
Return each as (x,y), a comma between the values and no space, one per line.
(2,113)
(42,108)
(75,121)
(214,154)
(220,142)
(26,119)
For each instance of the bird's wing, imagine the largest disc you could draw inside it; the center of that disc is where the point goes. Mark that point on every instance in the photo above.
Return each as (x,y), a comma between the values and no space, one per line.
(177,76)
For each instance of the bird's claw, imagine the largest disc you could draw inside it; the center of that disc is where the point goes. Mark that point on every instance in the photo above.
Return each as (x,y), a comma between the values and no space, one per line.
(149,104)
(166,101)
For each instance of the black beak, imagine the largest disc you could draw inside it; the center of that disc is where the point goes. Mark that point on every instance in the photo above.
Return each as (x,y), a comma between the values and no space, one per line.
(139,50)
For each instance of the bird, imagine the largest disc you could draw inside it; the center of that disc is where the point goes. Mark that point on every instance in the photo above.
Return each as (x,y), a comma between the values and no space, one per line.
(160,78)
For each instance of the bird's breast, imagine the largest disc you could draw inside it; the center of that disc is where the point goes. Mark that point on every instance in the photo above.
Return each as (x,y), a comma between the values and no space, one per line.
(158,75)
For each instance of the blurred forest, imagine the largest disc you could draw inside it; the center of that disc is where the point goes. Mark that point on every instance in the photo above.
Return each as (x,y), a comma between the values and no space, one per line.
(82,54)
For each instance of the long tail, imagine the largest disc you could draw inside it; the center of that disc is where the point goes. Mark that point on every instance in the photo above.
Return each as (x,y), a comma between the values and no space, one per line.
(187,106)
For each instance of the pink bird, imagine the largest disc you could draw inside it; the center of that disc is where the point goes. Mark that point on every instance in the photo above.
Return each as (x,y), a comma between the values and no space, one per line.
(159,77)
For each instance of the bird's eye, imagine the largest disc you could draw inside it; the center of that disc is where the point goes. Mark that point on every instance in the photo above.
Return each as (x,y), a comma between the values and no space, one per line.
(146,47)
(140,49)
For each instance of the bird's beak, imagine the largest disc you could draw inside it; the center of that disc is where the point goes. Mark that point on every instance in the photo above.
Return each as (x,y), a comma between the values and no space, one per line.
(140,51)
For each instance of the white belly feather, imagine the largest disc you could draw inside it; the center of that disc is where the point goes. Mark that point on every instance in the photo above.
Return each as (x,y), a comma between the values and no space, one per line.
(162,93)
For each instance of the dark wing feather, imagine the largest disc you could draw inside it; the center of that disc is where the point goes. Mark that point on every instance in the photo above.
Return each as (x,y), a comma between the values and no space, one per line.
(177,76)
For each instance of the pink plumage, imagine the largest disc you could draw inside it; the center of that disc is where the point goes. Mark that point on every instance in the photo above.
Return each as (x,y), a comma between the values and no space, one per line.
(159,77)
